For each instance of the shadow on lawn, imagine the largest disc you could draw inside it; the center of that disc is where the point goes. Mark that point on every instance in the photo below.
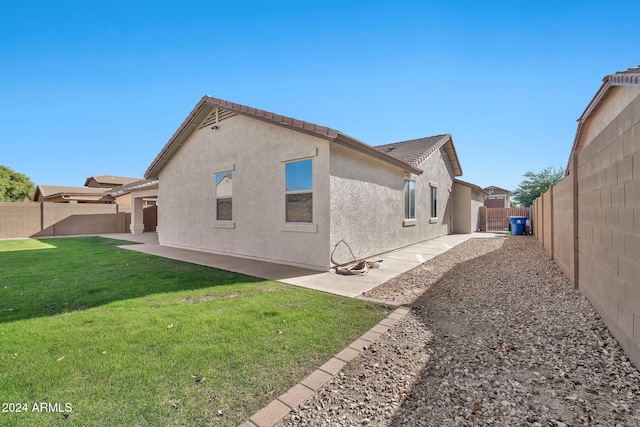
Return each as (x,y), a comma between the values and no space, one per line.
(86,272)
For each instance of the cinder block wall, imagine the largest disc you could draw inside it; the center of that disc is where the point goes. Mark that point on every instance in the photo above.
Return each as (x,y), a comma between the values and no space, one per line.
(604,187)
(547,231)
(19,219)
(45,219)
(562,221)
(537,224)
(63,219)
(609,226)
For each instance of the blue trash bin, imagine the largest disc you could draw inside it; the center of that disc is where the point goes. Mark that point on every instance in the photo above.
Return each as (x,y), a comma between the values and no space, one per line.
(518,225)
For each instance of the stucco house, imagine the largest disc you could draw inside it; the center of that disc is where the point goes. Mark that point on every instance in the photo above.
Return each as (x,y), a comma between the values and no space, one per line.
(64,194)
(97,189)
(250,183)
(108,181)
(497,197)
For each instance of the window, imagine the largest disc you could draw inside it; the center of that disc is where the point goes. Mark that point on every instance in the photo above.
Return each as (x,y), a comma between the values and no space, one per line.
(409,199)
(434,202)
(299,194)
(224,205)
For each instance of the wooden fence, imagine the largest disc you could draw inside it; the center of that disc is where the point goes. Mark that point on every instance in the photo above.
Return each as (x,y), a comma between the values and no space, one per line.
(498,218)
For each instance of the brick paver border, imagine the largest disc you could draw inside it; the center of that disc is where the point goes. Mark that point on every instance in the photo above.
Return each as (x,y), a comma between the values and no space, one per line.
(279,408)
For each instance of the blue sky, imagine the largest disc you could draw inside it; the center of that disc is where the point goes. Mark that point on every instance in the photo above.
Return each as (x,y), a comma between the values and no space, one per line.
(92,87)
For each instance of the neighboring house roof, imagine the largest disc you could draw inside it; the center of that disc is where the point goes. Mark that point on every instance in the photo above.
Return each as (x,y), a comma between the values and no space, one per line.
(108,181)
(207,104)
(49,192)
(629,77)
(141,184)
(416,151)
(496,190)
(473,186)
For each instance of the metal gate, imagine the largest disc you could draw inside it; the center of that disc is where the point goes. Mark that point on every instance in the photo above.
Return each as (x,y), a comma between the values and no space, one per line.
(498,218)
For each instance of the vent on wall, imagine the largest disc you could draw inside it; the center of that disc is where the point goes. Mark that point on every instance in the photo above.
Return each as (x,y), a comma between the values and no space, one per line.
(216,116)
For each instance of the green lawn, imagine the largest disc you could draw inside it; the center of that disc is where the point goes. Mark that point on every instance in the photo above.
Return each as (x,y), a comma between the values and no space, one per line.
(23,245)
(123,338)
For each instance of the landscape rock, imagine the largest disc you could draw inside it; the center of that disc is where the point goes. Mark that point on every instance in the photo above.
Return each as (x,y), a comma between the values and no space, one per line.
(496,336)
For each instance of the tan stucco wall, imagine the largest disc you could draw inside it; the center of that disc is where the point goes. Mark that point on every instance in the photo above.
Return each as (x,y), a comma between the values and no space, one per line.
(609,108)
(124,202)
(141,222)
(461,196)
(257,152)
(367,202)
(477,201)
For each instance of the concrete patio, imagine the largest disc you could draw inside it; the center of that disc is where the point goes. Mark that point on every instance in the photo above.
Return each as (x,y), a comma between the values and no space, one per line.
(393,263)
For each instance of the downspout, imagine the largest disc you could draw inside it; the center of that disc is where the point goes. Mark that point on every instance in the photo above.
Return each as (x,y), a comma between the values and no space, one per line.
(452,204)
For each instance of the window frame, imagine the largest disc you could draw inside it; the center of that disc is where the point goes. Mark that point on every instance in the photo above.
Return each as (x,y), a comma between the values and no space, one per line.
(219,175)
(433,202)
(409,198)
(303,191)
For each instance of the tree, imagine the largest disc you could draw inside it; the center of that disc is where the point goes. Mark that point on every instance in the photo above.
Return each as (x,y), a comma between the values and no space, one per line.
(15,186)
(534,184)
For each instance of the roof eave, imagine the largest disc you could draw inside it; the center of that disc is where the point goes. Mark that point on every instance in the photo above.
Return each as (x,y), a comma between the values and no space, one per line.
(472,186)
(273,118)
(150,185)
(361,147)
(207,103)
(446,143)
(450,149)
(69,195)
(609,82)
(595,101)
(177,139)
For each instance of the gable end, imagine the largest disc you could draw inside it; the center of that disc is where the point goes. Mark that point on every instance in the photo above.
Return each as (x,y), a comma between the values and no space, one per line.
(216,116)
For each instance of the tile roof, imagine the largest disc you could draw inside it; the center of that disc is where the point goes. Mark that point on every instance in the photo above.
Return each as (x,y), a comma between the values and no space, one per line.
(414,151)
(628,76)
(111,180)
(208,103)
(44,192)
(274,118)
(49,190)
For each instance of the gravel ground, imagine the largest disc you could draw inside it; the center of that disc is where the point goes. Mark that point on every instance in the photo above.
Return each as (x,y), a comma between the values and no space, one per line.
(500,340)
